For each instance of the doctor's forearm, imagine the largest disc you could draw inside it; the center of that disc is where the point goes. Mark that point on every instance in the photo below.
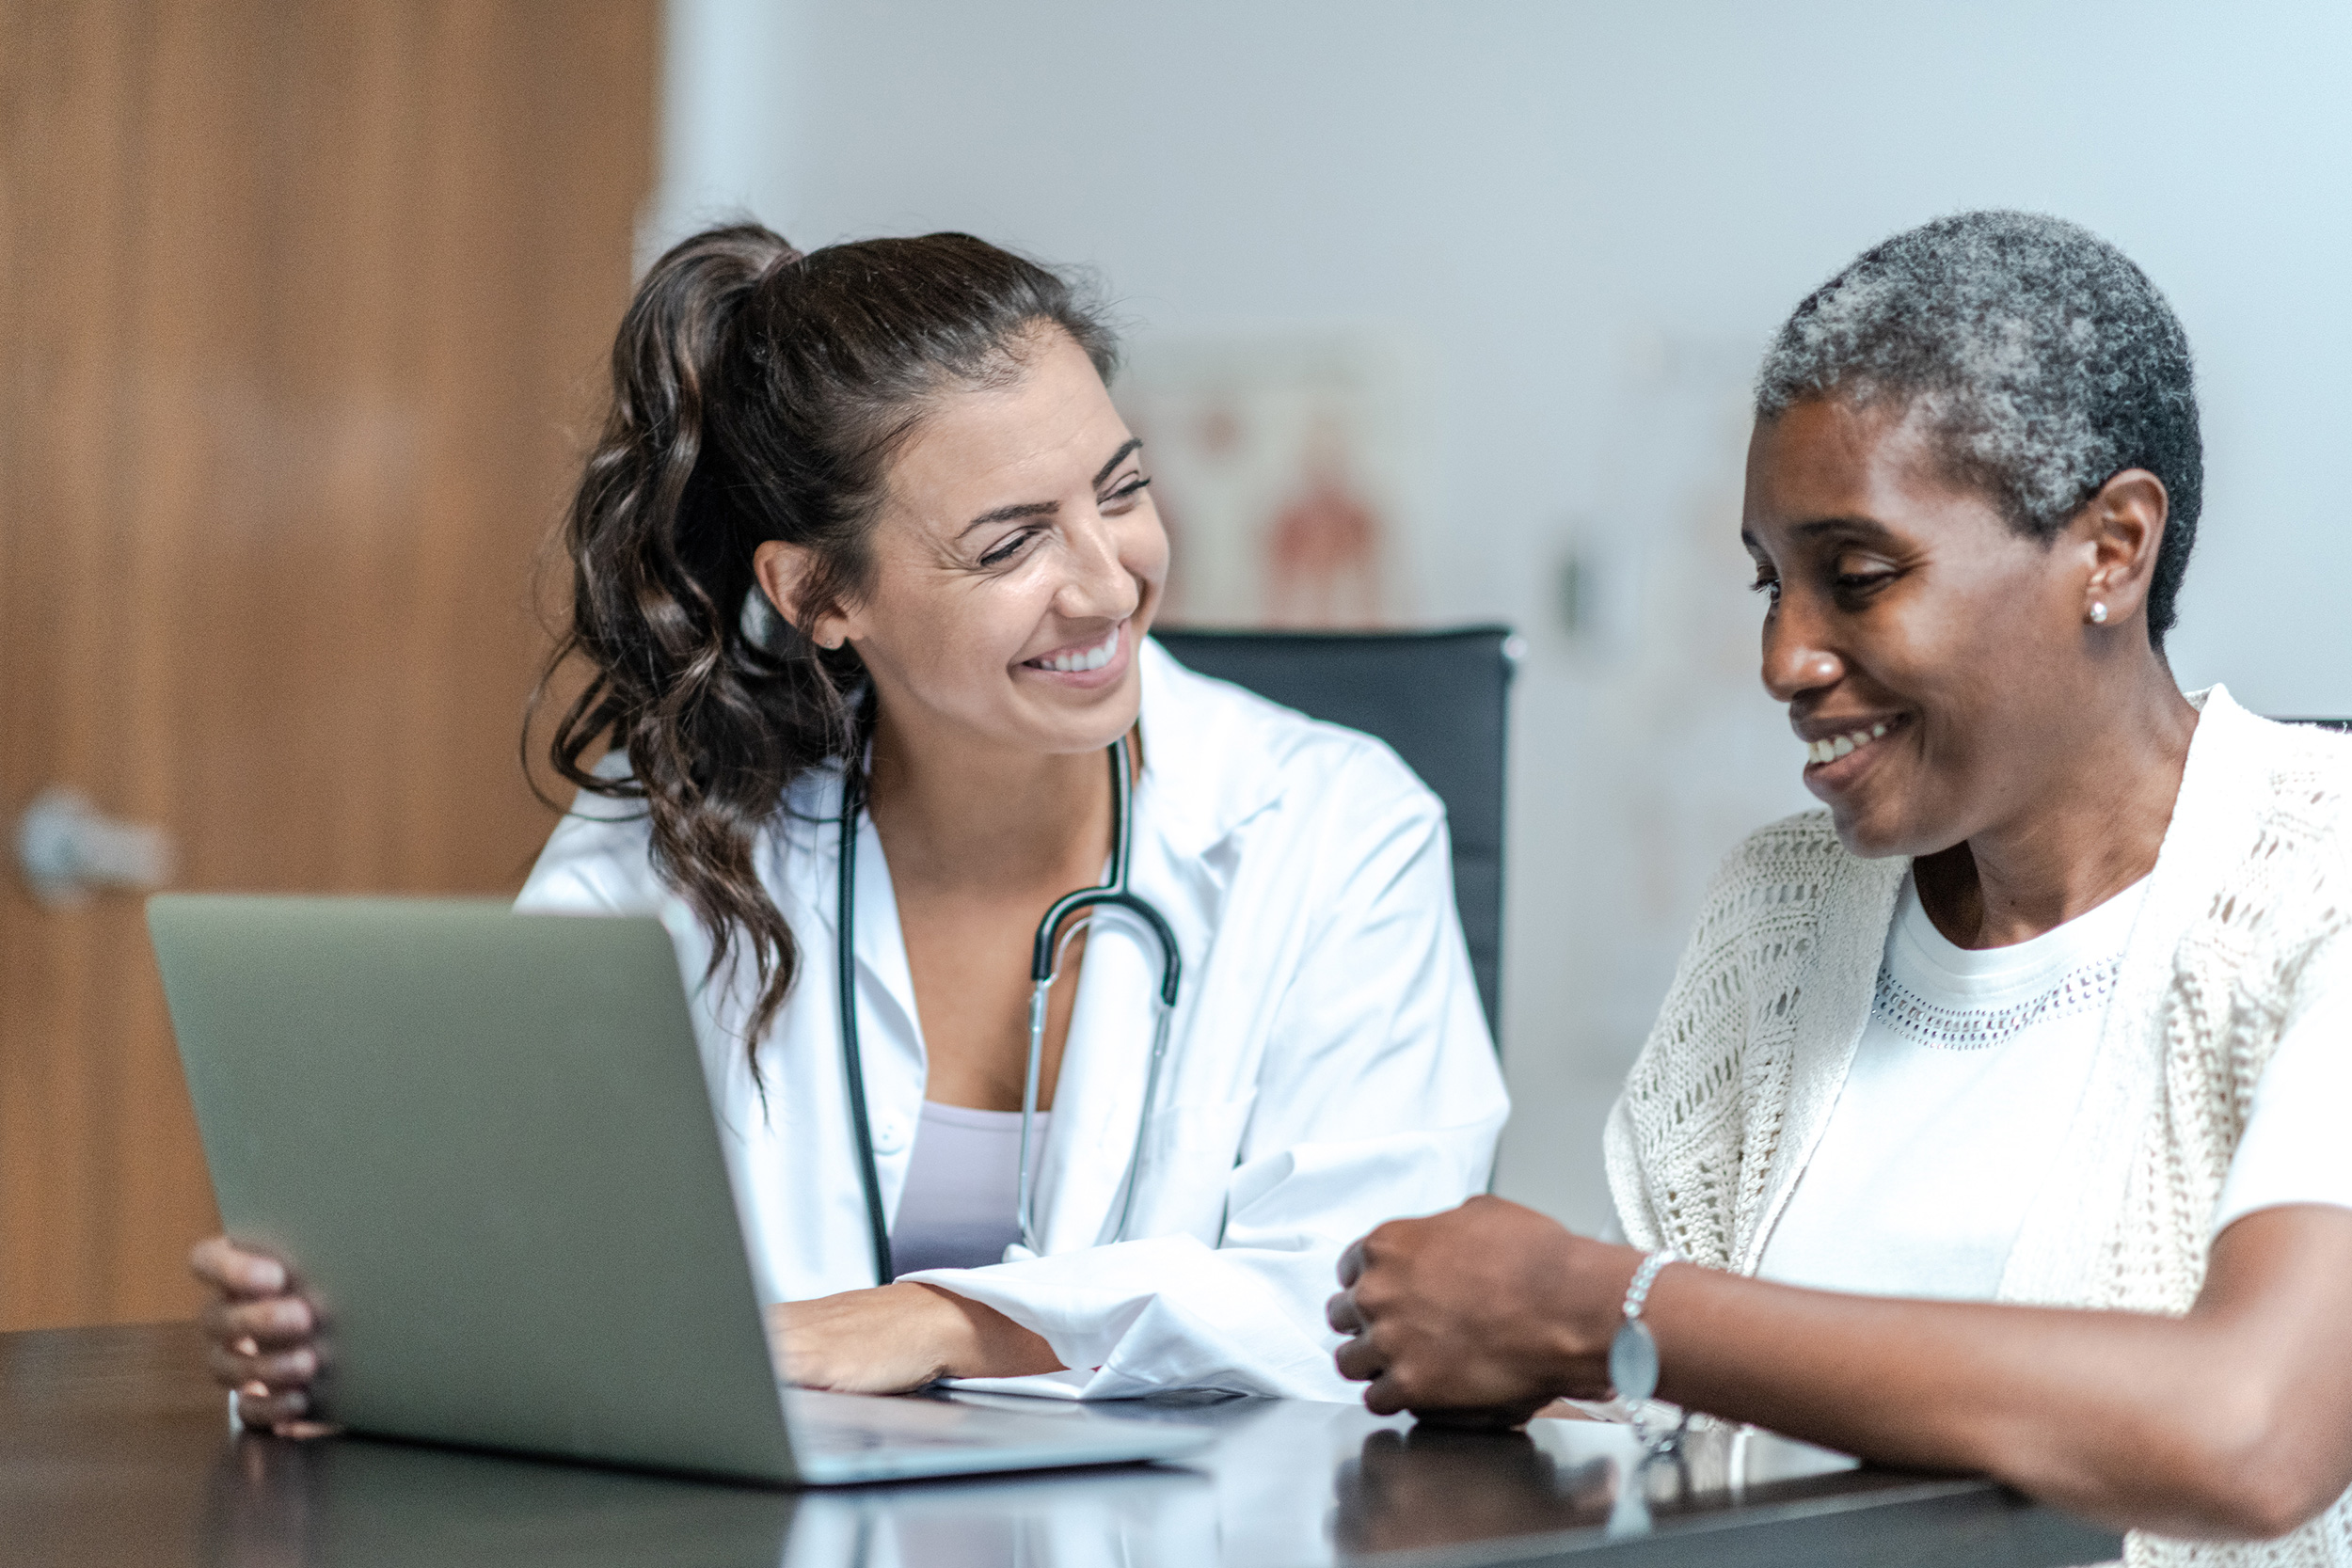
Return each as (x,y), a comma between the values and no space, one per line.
(893,1337)
(980,1341)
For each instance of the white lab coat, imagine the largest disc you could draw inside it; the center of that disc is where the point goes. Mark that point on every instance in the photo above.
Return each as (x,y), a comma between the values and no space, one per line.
(1328,1067)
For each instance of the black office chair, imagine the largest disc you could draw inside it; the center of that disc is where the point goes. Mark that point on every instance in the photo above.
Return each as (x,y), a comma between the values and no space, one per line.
(1438,697)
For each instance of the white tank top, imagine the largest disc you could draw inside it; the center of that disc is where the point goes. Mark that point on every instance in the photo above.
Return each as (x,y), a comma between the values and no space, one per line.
(956,1210)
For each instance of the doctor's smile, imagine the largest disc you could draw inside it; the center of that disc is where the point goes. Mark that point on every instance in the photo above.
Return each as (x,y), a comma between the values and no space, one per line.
(1103,660)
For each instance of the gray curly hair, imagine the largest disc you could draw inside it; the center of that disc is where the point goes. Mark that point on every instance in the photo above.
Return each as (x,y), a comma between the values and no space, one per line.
(2041,360)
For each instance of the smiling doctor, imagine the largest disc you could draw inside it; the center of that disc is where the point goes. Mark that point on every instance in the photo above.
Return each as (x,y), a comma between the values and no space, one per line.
(866,518)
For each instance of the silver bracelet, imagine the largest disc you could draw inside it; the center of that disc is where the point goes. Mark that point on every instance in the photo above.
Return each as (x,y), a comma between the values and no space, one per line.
(1632,1353)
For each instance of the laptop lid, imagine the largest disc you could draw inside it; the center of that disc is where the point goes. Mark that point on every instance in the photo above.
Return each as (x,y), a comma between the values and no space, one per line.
(485,1139)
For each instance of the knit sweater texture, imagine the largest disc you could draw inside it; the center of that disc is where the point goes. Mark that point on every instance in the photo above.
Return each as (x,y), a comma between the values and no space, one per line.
(2247,920)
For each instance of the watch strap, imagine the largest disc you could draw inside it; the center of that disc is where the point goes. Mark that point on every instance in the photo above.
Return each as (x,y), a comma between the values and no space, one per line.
(1634,1350)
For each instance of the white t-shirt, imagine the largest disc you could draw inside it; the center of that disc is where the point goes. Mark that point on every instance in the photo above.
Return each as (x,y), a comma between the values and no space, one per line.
(1964,1082)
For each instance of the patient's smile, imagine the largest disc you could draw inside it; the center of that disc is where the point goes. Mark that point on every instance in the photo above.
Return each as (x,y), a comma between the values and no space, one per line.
(1831,748)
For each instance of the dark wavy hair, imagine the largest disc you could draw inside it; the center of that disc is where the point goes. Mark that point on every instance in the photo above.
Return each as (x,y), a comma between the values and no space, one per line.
(2044,362)
(759,394)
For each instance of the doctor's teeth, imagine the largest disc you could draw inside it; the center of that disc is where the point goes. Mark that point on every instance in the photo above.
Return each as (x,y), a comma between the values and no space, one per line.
(1091,658)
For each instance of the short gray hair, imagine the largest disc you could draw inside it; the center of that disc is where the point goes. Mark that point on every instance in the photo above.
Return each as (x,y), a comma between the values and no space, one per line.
(2040,359)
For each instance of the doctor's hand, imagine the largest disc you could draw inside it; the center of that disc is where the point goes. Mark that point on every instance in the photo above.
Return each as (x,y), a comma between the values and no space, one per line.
(894,1337)
(261,1334)
(1480,1316)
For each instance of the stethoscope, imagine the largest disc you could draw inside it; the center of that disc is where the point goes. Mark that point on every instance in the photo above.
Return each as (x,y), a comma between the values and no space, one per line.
(1044,967)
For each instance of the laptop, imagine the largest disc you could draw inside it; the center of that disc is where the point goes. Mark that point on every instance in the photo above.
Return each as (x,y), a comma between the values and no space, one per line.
(485,1140)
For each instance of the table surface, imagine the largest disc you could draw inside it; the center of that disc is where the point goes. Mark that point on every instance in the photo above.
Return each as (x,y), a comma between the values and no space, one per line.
(114,1450)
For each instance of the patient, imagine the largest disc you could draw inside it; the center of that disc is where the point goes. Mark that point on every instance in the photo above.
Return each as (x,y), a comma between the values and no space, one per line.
(1997,1110)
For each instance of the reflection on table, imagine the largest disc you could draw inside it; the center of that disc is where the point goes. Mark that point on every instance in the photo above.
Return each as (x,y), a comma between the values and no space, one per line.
(1289,1484)
(113,1451)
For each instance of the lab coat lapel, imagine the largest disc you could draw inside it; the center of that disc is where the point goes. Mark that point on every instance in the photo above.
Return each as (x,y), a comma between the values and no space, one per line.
(879,944)
(1099,1095)
(890,1034)
(1183,813)
(1098,1103)
(890,1031)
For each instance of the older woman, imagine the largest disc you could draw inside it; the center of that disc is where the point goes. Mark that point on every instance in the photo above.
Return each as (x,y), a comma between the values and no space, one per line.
(1992,1121)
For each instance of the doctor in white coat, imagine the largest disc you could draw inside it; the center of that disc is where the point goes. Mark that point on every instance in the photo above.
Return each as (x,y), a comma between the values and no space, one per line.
(867,517)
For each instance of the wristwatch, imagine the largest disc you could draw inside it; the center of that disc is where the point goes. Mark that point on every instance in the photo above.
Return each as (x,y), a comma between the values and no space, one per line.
(1634,1354)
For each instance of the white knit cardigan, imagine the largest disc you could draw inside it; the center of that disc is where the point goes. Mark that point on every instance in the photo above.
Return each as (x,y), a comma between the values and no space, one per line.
(2246,917)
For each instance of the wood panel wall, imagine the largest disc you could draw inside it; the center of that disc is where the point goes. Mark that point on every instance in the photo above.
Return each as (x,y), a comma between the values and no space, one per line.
(303,310)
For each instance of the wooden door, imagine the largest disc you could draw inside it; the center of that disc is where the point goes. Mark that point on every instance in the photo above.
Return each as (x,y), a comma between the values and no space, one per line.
(303,307)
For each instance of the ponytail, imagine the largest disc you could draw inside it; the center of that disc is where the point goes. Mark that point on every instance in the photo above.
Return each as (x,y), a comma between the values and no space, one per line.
(759,394)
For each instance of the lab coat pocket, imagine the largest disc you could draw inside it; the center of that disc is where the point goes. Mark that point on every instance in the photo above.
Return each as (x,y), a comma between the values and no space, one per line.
(1187,1154)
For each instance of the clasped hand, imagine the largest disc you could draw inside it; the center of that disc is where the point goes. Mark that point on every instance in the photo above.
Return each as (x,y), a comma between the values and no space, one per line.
(1480,1316)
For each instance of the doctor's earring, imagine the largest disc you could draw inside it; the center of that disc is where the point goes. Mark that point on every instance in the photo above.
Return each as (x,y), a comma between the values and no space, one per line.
(2098,614)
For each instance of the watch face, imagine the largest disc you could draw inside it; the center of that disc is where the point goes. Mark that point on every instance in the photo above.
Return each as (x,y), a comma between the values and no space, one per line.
(1633,1361)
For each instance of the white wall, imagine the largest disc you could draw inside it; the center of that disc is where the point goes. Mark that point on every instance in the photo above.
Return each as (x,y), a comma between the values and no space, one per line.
(1594,216)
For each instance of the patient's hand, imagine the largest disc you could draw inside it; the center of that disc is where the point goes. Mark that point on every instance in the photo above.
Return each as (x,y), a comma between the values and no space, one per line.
(895,1338)
(263,1334)
(1481,1316)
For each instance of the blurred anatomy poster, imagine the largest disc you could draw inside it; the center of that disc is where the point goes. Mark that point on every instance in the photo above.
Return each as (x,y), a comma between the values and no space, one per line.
(1287,472)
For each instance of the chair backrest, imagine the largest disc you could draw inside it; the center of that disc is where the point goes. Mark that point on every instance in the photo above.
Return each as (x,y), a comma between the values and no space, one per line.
(1438,697)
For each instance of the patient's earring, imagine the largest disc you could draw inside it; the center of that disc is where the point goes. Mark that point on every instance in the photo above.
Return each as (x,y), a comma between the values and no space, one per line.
(2098,614)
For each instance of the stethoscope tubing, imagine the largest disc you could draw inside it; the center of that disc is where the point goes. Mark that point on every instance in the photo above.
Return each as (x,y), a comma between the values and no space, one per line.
(1044,966)
(853,1058)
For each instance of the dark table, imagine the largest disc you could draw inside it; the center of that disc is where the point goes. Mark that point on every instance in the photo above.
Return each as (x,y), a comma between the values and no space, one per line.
(114,1449)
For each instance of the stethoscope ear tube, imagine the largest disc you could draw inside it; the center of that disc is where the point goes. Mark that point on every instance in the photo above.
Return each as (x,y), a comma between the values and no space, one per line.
(1044,954)
(1171,963)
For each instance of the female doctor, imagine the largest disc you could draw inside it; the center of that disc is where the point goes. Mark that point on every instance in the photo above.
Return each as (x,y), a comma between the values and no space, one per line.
(867,521)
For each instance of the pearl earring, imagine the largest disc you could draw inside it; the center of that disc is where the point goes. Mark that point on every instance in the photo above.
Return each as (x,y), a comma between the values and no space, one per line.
(2098,614)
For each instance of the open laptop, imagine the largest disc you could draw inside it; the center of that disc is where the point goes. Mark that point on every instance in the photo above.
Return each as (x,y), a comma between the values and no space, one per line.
(485,1139)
